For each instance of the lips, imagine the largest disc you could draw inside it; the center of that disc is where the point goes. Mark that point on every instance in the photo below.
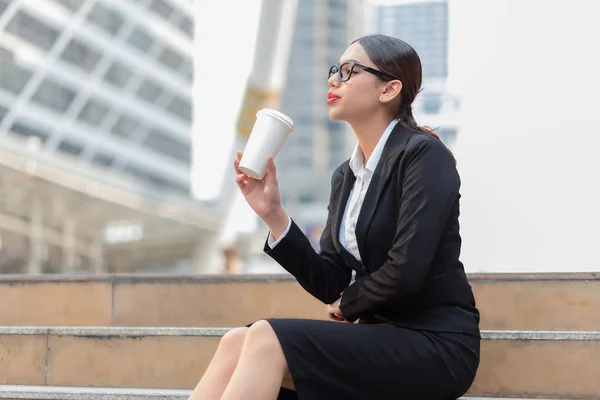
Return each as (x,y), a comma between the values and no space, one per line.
(331,98)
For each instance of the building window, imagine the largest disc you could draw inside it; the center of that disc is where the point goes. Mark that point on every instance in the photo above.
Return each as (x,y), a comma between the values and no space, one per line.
(154,180)
(149,91)
(23,129)
(161,8)
(3,6)
(93,113)
(432,104)
(54,96)
(163,143)
(181,107)
(337,4)
(102,159)
(125,126)
(32,30)
(140,39)
(186,25)
(118,74)
(170,58)
(106,19)
(80,55)
(187,70)
(69,147)
(13,78)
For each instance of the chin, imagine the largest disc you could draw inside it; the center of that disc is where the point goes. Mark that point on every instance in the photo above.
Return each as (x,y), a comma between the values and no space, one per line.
(335,114)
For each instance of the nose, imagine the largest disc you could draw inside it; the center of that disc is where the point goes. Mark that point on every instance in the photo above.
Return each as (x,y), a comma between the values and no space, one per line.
(333,81)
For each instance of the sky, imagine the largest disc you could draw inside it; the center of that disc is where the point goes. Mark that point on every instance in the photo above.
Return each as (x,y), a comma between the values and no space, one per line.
(528,75)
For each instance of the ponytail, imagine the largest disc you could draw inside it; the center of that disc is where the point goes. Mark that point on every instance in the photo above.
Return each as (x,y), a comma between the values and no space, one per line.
(406,117)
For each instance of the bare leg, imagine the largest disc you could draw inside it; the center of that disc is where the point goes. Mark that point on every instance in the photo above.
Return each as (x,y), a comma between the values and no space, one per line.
(261,368)
(217,375)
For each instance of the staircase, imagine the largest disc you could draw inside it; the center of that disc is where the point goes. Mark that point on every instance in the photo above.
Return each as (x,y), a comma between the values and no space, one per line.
(151,337)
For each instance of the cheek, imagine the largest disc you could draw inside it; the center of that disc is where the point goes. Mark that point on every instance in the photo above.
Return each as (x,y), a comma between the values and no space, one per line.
(363,97)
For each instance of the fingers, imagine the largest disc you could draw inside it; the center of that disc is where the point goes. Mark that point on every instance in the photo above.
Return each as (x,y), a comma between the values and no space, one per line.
(335,313)
(338,317)
(240,179)
(335,317)
(236,163)
(271,173)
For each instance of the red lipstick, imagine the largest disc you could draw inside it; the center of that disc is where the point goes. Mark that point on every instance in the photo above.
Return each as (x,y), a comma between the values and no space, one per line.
(331,98)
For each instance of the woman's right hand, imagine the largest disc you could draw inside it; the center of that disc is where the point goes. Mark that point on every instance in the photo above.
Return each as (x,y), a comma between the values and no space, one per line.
(262,195)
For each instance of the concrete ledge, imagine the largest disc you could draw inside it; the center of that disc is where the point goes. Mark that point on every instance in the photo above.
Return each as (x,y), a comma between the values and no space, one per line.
(103,332)
(135,332)
(264,278)
(540,335)
(76,393)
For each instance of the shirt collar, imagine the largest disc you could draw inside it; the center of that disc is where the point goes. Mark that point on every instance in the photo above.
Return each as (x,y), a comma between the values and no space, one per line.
(357,160)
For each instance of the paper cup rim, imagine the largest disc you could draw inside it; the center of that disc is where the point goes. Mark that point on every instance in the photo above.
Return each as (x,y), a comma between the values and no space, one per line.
(279,115)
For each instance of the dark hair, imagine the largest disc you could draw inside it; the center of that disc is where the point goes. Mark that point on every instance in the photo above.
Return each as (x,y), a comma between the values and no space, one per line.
(398,59)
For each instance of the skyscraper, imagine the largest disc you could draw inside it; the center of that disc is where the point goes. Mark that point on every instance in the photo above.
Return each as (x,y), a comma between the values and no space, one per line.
(324,29)
(104,83)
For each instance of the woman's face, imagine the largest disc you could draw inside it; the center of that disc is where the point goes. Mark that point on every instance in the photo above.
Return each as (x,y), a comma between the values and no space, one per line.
(357,97)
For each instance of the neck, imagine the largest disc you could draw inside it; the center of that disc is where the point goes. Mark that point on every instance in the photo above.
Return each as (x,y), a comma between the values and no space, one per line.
(368,131)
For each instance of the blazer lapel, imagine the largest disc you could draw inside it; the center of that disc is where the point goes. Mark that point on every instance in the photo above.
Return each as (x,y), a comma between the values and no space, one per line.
(340,206)
(381,177)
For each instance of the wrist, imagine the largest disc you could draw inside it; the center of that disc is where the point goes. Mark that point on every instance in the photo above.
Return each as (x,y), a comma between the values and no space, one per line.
(277,221)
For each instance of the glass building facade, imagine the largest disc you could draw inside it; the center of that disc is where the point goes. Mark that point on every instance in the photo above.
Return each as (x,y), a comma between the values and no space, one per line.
(105,83)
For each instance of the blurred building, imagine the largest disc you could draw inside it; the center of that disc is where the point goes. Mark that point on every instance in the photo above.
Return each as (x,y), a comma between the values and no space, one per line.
(103,82)
(100,90)
(424,25)
(324,29)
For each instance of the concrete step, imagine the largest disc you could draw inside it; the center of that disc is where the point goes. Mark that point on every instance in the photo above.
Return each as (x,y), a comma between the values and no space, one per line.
(506,301)
(81,393)
(514,363)
(78,393)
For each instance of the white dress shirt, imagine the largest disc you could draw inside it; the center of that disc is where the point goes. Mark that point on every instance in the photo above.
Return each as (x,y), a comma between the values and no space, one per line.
(363,174)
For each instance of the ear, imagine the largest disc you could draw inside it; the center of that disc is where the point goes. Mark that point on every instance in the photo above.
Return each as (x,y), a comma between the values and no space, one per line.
(390,91)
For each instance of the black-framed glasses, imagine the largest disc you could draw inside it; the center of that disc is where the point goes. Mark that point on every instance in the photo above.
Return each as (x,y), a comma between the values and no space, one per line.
(346,70)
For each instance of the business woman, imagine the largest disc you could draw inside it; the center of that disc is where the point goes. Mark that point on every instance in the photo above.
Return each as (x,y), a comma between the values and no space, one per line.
(393,220)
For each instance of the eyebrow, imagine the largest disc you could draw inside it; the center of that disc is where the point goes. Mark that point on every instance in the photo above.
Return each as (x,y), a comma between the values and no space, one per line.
(341,62)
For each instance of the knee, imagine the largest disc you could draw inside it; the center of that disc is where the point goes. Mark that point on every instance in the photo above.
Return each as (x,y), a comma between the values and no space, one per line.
(261,337)
(232,342)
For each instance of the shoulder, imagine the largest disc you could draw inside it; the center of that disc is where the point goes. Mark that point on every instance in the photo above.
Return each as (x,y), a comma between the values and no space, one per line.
(422,141)
(420,145)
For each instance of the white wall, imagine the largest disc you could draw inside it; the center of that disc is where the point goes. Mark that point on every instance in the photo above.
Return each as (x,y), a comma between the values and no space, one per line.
(529,146)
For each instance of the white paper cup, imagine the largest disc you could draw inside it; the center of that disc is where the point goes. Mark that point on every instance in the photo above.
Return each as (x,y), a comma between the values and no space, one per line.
(269,132)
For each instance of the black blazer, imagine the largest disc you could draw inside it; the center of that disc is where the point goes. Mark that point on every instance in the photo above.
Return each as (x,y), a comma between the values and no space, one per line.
(408,238)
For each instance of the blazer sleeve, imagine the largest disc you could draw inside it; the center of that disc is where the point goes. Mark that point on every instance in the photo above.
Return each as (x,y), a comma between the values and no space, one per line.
(325,274)
(430,187)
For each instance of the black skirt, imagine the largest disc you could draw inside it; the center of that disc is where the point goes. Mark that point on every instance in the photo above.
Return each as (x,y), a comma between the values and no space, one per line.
(332,360)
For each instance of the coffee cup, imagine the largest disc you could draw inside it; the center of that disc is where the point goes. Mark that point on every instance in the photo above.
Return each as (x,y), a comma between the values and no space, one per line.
(269,133)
